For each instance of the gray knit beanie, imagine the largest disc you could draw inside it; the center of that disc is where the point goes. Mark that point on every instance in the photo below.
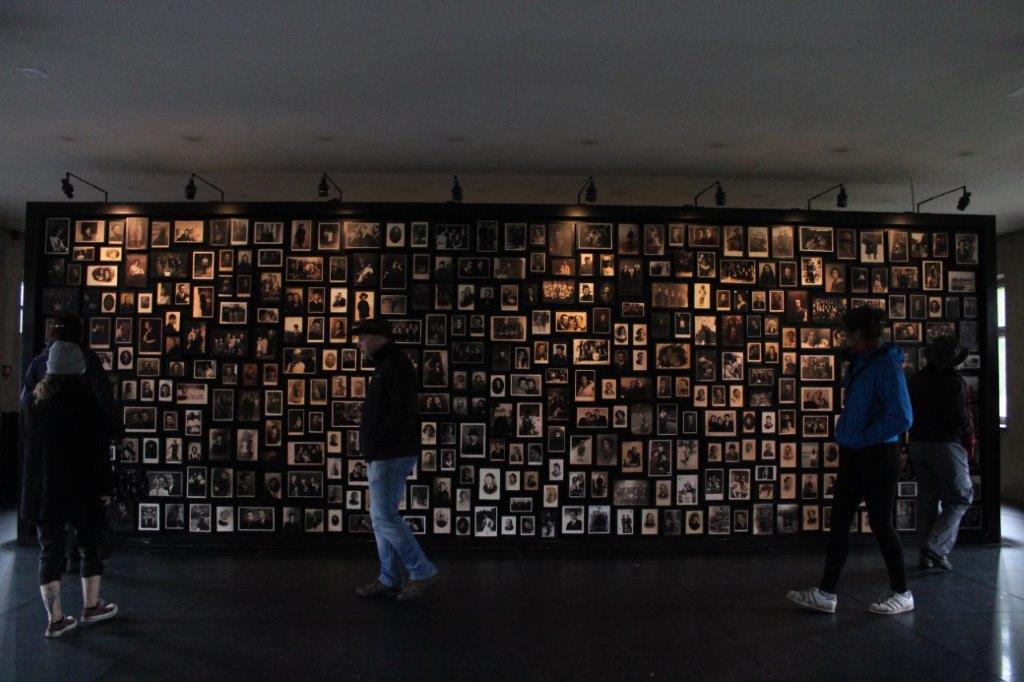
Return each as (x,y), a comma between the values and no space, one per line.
(65,357)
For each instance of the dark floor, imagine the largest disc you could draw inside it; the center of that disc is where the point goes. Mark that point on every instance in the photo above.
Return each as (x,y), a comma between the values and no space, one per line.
(709,617)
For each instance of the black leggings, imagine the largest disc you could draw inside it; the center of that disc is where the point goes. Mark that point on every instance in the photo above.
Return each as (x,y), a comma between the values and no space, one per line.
(870,474)
(51,549)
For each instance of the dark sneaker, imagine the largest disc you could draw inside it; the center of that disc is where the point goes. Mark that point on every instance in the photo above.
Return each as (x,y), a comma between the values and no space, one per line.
(924,562)
(937,559)
(416,588)
(102,611)
(62,626)
(375,589)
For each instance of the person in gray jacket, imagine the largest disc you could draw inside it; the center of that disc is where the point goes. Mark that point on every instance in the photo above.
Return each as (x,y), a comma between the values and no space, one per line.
(941,442)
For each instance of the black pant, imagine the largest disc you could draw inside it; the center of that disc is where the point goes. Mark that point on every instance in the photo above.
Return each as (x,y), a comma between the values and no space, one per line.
(870,474)
(51,549)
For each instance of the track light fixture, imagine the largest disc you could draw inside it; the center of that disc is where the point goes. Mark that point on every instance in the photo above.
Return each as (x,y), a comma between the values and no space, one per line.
(456,190)
(719,194)
(841,198)
(962,203)
(325,189)
(190,188)
(69,189)
(591,192)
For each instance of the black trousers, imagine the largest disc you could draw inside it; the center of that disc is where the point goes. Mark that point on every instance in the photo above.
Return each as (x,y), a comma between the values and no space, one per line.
(51,549)
(870,474)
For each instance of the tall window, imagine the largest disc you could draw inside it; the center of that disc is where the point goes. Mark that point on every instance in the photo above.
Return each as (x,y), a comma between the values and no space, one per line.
(1001,343)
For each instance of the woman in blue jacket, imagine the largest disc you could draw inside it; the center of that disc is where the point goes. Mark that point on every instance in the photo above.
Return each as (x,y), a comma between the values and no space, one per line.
(875,414)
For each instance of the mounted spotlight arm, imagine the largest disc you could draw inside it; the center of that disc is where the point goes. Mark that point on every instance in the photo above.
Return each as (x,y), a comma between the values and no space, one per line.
(325,190)
(713,185)
(192,184)
(590,187)
(67,182)
(838,186)
(961,188)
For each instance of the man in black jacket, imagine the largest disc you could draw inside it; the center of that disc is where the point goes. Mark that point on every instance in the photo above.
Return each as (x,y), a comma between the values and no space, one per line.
(941,441)
(389,440)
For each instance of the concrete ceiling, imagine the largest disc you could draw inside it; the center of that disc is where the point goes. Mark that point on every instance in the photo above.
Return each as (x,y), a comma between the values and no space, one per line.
(778,100)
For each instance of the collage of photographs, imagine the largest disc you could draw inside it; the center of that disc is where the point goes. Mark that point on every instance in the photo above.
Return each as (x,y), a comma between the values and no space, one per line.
(575,378)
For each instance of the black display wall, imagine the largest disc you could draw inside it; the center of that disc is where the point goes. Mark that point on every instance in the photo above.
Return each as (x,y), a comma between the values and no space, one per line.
(588,374)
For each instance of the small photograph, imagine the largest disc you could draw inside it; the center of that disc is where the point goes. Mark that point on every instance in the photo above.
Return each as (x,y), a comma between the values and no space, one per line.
(451,237)
(966,249)
(509,327)
(529,420)
(704,235)
(720,423)
(328,236)
(256,519)
(149,516)
(234,312)
(932,277)
(594,236)
(200,518)
(782,241)
(961,281)
(472,437)
(164,483)
(359,235)
(671,294)
(872,249)
(90,231)
(268,233)
(302,453)
(672,355)
(817,368)
(140,419)
(58,236)
(816,239)
(591,351)
(816,398)
(101,275)
(302,235)
(738,271)
(188,231)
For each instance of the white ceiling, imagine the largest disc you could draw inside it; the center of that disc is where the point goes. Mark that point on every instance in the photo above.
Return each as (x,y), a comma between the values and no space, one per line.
(778,100)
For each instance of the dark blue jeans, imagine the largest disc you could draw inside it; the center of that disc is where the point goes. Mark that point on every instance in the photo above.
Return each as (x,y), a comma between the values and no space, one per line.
(396,545)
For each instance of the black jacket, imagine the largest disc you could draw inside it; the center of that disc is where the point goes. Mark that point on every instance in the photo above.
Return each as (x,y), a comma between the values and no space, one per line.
(939,398)
(66,457)
(390,425)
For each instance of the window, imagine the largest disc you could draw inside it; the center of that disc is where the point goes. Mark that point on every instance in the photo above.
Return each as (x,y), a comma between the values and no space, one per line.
(1001,346)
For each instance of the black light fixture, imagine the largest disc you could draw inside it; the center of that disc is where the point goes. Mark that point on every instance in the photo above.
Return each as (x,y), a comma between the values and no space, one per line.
(719,194)
(325,189)
(190,188)
(841,198)
(69,189)
(456,190)
(591,192)
(962,203)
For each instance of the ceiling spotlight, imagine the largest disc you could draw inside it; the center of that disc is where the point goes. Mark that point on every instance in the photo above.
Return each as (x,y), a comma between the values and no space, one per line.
(456,190)
(590,187)
(324,190)
(69,189)
(963,201)
(719,194)
(961,204)
(841,198)
(190,188)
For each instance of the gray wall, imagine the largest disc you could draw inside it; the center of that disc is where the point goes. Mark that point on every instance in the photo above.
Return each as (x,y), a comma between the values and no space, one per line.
(11,259)
(1010,260)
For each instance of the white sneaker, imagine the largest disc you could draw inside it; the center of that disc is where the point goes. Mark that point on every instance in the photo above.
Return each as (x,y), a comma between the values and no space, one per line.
(891,603)
(814,598)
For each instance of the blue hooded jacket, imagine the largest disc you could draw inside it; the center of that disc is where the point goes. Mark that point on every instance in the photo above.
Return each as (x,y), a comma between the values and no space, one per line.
(877,408)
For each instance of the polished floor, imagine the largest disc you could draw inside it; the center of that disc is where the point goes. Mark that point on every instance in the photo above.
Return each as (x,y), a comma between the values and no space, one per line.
(706,617)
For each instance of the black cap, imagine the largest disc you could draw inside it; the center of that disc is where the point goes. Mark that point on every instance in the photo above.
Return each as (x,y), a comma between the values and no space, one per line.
(374,325)
(945,351)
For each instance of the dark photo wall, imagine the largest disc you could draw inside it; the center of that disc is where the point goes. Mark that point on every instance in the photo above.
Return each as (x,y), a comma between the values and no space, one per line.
(613,373)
